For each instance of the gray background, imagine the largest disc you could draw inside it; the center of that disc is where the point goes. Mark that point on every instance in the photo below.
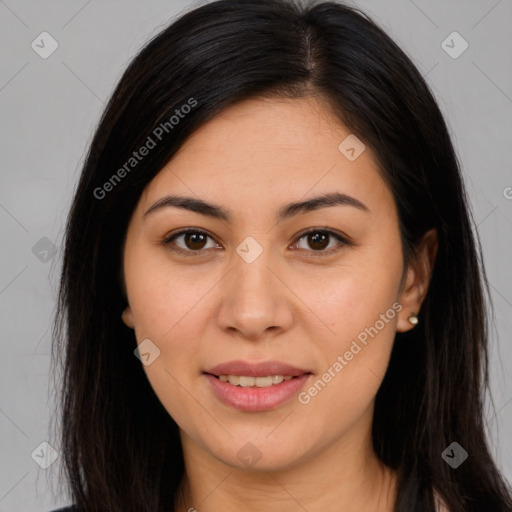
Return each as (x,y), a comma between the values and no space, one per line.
(50,107)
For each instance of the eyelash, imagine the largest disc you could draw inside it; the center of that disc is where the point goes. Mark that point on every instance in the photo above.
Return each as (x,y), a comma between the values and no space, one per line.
(167,242)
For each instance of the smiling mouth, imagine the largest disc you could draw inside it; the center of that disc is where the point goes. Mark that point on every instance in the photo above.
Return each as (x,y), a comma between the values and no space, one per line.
(247,381)
(239,375)
(262,392)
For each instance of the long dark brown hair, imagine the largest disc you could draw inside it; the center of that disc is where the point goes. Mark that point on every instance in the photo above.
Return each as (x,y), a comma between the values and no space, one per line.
(121,449)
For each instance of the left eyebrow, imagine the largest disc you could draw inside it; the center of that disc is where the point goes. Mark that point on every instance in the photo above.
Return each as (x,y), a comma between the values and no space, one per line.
(285,212)
(323,201)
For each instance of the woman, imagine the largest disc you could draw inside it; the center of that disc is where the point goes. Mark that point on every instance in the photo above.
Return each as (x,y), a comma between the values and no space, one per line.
(271,295)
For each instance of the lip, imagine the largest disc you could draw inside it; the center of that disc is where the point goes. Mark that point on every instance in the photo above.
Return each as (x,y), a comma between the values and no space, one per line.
(261,369)
(254,398)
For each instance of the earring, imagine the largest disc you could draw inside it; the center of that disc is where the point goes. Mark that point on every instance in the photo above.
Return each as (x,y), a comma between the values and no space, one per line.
(413,319)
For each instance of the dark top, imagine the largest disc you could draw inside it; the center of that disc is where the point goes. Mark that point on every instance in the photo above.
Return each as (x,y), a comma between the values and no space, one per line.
(70,508)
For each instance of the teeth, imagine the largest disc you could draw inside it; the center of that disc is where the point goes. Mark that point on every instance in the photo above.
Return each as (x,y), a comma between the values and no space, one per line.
(245,382)
(265,382)
(259,382)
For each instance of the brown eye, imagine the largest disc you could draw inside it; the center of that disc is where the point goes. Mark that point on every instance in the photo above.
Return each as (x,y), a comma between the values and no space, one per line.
(317,240)
(195,241)
(190,241)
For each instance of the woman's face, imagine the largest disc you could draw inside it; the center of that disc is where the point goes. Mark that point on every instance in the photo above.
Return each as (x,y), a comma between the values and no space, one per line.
(252,287)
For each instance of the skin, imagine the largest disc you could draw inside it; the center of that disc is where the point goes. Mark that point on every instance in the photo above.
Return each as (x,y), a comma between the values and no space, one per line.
(291,304)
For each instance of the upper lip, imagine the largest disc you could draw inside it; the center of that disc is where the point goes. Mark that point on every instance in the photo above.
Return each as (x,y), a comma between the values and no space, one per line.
(261,369)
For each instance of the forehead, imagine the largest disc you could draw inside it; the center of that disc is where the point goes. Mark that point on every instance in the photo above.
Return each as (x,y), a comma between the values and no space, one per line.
(267,150)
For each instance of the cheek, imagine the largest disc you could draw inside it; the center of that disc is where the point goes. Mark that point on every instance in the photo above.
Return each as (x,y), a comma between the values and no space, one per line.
(358,303)
(354,360)
(168,309)
(352,297)
(163,299)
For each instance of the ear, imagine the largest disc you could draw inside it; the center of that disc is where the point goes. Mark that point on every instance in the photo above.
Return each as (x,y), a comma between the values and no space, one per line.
(417,279)
(127,317)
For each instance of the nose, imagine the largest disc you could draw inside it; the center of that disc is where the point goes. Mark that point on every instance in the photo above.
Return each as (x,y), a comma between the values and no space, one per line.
(255,299)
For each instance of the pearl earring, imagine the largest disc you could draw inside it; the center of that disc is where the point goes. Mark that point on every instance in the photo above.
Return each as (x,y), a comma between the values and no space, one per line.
(413,319)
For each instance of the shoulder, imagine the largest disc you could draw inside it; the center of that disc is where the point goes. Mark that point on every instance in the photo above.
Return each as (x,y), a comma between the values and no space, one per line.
(69,508)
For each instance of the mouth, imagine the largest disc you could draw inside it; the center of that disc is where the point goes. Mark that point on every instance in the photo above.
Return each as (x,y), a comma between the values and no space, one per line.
(246,381)
(265,369)
(256,386)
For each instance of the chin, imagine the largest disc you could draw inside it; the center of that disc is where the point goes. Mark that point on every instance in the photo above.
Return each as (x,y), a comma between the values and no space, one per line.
(260,455)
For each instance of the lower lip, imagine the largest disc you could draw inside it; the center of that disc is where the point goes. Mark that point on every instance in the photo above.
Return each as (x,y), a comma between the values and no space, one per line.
(254,398)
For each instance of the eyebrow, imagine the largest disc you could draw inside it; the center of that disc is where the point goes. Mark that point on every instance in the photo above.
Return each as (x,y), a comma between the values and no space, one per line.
(285,212)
